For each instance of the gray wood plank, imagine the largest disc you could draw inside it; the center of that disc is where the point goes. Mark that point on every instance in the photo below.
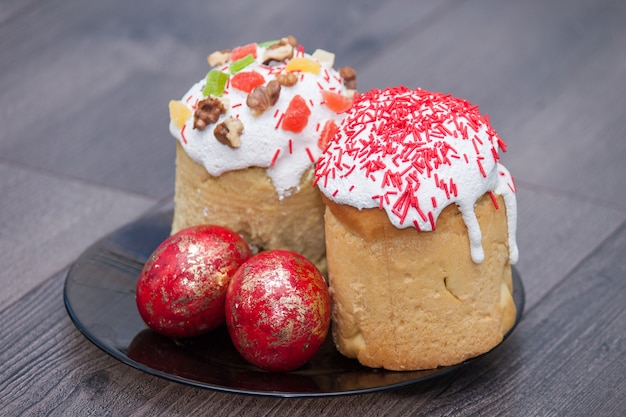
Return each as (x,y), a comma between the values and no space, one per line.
(555,232)
(46,222)
(101,74)
(13,9)
(549,75)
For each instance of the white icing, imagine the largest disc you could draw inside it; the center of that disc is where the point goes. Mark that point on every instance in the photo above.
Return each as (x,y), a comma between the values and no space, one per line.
(506,188)
(262,136)
(448,157)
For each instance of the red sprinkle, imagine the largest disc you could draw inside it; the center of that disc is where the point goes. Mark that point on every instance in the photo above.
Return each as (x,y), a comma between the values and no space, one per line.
(311,157)
(480,167)
(493,199)
(182,134)
(275,157)
(280,121)
(431,220)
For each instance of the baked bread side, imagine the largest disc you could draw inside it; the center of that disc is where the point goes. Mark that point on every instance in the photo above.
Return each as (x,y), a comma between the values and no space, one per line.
(246,201)
(409,300)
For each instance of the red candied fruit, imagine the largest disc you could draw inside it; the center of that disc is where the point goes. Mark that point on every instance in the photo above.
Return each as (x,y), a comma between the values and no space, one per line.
(247,80)
(336,102)
(241,51)
(328,131)
(297,115)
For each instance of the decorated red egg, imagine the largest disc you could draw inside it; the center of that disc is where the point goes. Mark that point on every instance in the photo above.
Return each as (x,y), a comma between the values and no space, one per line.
(182,287)
(278,310)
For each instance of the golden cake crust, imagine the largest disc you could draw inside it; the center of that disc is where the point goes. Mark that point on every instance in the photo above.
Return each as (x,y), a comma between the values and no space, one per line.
(408,300)
(246,202)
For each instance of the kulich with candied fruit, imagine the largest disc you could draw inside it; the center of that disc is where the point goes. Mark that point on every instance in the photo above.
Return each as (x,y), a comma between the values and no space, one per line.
(248,135)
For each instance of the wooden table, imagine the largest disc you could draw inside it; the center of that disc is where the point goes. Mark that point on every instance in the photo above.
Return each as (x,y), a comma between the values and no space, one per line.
(85,149)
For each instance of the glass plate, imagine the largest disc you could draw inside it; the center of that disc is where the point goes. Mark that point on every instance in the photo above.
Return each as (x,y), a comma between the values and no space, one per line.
(99,296)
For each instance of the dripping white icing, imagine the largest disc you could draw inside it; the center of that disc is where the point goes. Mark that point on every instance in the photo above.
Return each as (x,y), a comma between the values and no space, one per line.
(414,152)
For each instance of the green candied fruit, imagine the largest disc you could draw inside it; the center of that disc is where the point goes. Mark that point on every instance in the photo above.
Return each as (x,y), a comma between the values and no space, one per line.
(240,64)
(268,43)
(215,83)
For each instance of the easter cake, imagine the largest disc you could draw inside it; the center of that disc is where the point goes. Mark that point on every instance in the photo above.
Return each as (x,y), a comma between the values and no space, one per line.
(420,231)
(248,135)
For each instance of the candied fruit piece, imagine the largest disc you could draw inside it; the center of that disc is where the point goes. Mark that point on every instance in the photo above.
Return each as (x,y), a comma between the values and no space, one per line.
(324,57)
(297,115)
(240,64)
(241,51)
(268,43)
(247,80)
(303,65)
(215,83)
(179,113)
(328,131)
(336,102)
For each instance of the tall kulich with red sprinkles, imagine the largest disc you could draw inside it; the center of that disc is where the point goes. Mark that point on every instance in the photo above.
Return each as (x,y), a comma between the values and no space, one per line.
(248,135)
(420,230)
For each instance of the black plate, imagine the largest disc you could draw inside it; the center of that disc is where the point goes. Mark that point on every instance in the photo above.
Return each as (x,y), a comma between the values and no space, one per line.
(99,296)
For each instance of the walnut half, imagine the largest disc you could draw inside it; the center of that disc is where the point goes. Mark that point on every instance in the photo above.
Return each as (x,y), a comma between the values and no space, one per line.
(263,97)
(287,79)
(207,112)
(229,132)
(280,51)
(349,77)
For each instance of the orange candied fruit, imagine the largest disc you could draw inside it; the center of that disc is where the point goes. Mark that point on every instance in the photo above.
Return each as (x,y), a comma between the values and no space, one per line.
(247,80)
(336,102)
(328,131)
(241,51)
(297,115)
(303,65)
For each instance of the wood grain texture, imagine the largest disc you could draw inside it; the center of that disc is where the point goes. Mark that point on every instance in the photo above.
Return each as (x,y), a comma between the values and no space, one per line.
(545,74)
(46,222)
(108,72)
(84,148)
(556,231)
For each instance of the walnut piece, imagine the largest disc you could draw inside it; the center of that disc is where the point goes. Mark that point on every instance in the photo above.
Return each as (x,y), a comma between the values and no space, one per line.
(229,132)
(207,112)
(263,97)
(349,77)
(288,79)
(290,40)
(218,57)
(280,51)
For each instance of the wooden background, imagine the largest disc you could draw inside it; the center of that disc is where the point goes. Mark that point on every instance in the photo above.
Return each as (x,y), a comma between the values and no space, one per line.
(85,149)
